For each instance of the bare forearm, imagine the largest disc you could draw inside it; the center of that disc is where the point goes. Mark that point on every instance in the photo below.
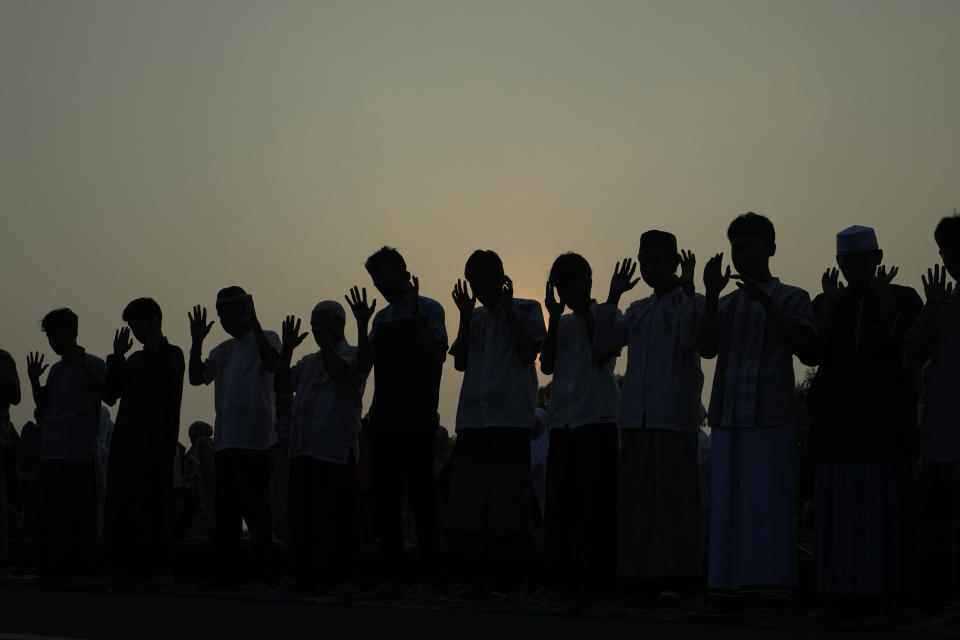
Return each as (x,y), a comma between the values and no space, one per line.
(268,355)
(709,341)
(548,355)
(281,377)
(461,346)
(196,364)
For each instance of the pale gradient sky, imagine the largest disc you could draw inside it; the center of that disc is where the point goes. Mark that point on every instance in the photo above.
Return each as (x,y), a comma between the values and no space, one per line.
(167,149)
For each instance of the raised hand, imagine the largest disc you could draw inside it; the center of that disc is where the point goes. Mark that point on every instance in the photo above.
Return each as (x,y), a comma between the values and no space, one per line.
(249,314)
(883,278)
(714,280)
(358,305)
(291,336)
(415,296)
(35,366)
(935,286)
(199,327)
(622,280)
(688,265)
(121,342)
(507,291)
(832,287)
(462,298)
(749,286)
(554,306)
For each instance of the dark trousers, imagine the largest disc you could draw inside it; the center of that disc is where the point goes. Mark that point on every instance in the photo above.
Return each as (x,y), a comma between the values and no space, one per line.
(68,516)
(580,527)
(322,513)
(403,462)
(242,494)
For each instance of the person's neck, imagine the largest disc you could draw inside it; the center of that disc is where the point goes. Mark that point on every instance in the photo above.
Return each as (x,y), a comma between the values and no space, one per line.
(762,275)
(664,290)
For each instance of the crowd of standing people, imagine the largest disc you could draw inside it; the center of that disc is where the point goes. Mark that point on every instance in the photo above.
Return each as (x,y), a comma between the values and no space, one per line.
(620,504)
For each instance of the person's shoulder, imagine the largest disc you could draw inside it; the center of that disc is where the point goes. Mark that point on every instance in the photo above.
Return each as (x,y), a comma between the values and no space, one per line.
(788,291)
(525,304)
(224,346)
(904,292)
(429,304)
(272,336)
(96,361)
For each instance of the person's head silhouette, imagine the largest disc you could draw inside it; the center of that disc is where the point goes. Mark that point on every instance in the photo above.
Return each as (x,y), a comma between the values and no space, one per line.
(235,309)
(144,317)
(752,244)
(484,272)
(572,276)
(327,321)
(947,235)
(389,273)
(658,259)
(61,325)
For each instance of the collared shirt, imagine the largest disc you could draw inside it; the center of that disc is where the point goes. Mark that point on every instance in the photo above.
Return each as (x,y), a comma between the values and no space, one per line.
(754,384)
(940,418)
(499,390)
(663,382)
(243,394)
(71,413)
(325,417)
(406,389)
(584,390)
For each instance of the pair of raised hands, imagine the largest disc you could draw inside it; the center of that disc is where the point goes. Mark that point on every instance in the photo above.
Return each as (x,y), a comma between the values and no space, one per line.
(466,302)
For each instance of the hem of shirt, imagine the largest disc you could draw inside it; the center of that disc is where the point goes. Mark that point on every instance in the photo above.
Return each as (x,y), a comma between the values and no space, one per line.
(224,447)
(463,427)
(661,427)
(592,423)
(329,459)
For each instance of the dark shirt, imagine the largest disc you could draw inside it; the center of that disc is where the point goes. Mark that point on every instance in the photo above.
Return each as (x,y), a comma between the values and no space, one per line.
(406,388)
(150,386)
(863,402)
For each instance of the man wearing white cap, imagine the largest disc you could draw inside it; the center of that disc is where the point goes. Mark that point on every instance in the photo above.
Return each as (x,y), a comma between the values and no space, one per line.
(864,434)
(325,422)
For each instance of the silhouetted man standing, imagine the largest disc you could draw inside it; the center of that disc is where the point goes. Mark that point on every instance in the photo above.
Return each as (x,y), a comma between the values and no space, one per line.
(139,510)
(242,368)
(68,407)
(864,425)
(407,345)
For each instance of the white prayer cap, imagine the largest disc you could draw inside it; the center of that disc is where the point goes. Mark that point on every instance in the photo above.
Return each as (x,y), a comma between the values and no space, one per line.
(856,239)
(331,307)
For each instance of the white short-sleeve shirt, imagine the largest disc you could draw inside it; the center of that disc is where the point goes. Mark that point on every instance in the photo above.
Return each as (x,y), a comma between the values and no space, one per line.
(499,390)
(584,390)
(754,383)
(663,381)
(243,394)
(325,417)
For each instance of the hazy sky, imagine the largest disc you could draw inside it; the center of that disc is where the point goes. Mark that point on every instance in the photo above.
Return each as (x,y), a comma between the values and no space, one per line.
(168,149)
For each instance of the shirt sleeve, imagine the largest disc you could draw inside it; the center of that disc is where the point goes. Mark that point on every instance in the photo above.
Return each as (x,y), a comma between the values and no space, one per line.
(295,372)
(532,321)
(799,309)
(611,330)
(273,339)
(435,320)
(211,366)
(691,317)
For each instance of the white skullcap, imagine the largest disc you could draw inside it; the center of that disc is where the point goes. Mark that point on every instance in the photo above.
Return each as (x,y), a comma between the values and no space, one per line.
(856,239)
(331,307)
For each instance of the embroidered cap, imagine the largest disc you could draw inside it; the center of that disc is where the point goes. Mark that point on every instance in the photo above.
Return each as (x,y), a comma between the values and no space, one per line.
(856,239)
